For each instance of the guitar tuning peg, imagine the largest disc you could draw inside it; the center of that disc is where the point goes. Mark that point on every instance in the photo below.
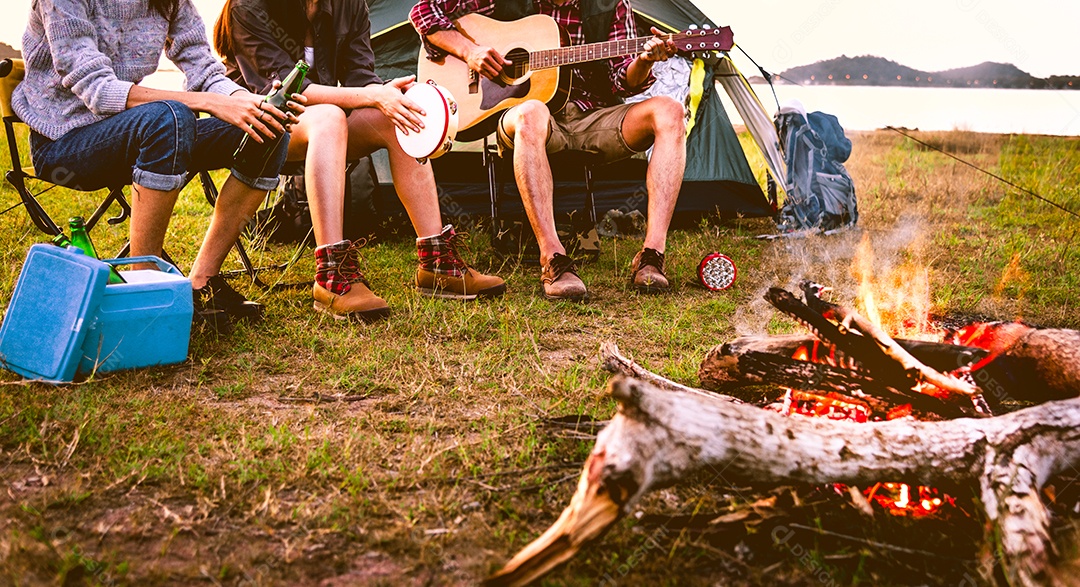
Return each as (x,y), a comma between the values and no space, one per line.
(706,26)
(693,27)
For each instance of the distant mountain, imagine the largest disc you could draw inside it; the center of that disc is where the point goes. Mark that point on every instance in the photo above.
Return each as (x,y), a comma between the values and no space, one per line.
(878,71)
(7,51)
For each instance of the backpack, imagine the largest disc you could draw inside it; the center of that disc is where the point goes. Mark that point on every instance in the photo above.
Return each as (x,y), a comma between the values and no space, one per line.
(820,192)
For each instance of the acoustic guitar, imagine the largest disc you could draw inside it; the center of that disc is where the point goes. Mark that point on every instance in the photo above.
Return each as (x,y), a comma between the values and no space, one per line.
(539,50)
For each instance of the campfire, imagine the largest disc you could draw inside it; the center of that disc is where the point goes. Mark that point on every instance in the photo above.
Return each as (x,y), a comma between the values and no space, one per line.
(908,312)
(857,408)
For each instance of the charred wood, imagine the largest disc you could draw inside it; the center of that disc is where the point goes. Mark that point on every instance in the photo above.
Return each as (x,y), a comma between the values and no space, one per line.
(661,437)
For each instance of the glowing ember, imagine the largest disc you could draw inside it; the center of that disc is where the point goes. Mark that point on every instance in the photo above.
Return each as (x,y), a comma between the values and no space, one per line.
(899,499)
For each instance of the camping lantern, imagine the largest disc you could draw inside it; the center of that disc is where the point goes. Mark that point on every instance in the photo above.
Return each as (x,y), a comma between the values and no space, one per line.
(717,272)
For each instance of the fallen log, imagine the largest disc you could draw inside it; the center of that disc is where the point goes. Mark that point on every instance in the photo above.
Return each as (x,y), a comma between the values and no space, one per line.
(659,437)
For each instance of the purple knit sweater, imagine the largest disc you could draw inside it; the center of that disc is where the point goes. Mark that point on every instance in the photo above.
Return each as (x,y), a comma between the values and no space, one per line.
(83,56)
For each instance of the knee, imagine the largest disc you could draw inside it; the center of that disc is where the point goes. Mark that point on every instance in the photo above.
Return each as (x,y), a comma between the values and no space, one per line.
(324,118)
(531,121)
(667,115)
(170,124)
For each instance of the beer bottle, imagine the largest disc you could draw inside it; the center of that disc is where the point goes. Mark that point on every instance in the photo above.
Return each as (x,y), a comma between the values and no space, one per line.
(80,239)
(250,157)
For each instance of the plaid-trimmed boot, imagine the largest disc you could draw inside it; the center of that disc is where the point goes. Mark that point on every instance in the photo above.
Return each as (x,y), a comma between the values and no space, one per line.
(340,289)
(444,274)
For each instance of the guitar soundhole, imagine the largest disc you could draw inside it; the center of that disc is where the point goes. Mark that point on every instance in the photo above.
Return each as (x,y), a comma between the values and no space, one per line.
(520,65)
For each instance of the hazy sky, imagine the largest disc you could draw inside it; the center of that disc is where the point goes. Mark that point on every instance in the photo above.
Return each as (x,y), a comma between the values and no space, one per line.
(1039,36)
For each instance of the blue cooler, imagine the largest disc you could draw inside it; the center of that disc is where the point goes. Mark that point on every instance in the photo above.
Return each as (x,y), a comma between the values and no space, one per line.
(144,322)
(63,318)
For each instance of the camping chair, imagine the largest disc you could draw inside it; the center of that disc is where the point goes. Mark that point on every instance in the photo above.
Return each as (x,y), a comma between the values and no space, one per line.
(210,191)
(509,240)
(12,72)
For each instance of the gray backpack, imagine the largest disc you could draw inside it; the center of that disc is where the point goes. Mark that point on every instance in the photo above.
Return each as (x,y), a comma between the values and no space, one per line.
(820,192)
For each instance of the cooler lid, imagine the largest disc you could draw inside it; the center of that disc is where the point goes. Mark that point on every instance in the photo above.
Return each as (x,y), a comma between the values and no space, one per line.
(46,321)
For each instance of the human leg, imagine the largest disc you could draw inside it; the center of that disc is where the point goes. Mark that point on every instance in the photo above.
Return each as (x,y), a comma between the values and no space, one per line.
(659,122)
(320,140)
(238,199)
(527,128)
(369,131)
(441,272)
(148,146)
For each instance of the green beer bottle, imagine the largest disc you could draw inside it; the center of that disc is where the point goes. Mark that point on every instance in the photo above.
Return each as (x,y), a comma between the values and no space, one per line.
(80,239)
(250,157)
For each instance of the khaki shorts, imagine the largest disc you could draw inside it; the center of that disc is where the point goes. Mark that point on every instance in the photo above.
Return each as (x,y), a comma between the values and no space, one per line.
(597,131)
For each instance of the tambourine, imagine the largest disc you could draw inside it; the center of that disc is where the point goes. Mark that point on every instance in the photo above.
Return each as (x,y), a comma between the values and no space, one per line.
(440,123)
(717,272)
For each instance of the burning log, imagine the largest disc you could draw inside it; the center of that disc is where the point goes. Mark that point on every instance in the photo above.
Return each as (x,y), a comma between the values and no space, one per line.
(659,437)
(769,360)
(1022,364)
(867,347)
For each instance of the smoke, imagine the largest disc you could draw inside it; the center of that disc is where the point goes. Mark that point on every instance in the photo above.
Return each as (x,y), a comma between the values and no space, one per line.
(890,260)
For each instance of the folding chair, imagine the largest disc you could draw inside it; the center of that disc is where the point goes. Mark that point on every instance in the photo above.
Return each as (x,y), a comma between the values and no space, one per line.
(210,191)
(510,240)
(12,72)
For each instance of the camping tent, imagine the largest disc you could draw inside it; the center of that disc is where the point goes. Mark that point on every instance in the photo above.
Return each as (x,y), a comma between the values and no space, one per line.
(718,177)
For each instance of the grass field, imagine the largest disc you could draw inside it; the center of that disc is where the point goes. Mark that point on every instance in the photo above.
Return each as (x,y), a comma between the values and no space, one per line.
(430,447)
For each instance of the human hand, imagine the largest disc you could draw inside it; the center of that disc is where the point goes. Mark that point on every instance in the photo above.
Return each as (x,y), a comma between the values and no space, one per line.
(486,61)
(658,48)
(256,117)
(405,114)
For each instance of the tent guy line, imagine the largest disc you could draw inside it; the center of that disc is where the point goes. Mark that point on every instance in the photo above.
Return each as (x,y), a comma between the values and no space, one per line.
(991,174)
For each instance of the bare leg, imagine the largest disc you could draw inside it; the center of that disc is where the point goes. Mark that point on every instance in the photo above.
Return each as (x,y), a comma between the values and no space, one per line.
(320,139)
(236,204)
(370,130)
(529,125)
(659,122)
(150,214)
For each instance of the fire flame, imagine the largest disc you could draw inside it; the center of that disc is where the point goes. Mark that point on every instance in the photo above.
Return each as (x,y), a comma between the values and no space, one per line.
(898,299)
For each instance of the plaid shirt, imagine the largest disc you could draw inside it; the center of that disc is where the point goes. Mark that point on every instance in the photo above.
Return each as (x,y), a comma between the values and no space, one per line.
(430,16)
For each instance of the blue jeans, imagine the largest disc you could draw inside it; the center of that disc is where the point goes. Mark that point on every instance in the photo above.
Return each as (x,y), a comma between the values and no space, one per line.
(158,145)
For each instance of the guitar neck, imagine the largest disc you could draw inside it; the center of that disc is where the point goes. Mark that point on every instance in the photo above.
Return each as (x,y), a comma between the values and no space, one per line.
(549,58)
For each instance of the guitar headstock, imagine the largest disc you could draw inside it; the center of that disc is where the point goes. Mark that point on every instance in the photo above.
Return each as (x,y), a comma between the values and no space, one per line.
(706,38)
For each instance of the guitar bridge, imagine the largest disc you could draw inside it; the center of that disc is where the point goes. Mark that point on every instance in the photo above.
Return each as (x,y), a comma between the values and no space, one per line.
(474,82)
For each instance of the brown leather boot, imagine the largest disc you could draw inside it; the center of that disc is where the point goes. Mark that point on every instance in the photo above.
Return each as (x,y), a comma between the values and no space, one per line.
(340,289)
(442,272)
(561,281)
(647,272)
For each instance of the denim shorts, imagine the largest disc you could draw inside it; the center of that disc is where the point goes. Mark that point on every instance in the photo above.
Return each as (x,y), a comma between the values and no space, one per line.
(158,145)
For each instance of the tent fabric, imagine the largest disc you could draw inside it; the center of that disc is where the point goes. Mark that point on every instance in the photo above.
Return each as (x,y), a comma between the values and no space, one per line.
(759,123)
(718,178)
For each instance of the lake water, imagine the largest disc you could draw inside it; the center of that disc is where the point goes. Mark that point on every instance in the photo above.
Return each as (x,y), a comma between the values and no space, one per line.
(1048,112)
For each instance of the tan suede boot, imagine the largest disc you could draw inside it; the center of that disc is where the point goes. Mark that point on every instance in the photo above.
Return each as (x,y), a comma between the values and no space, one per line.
(442,272)
(340,289)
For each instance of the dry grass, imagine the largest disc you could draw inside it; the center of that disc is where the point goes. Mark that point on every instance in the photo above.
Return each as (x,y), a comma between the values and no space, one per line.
(426,449)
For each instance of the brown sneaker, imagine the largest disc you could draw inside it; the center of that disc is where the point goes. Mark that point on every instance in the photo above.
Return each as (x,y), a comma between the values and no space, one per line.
(561,281)
(442,272)
(340,289)
(647,272)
